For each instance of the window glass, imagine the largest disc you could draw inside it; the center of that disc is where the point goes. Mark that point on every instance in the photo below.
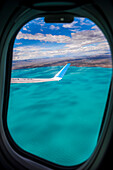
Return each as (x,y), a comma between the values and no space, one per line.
(57,115)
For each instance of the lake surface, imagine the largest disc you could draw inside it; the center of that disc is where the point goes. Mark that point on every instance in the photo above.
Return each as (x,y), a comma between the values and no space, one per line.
(59,121)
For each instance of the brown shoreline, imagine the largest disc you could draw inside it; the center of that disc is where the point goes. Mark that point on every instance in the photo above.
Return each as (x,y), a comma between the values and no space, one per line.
(95,61)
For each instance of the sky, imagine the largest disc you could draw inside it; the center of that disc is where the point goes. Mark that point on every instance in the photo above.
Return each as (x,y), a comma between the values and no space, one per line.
(80,38)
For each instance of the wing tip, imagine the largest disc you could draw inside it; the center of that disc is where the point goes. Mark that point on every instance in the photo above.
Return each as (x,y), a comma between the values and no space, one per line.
(62,72)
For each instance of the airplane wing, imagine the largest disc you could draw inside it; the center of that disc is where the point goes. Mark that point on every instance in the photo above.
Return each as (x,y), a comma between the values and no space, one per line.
(57,77)
(61,73)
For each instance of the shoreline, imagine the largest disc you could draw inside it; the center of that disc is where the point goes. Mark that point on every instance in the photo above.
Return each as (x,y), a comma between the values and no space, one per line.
(95,61)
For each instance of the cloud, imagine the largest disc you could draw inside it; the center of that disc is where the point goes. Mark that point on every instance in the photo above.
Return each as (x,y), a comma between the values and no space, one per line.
(37,21)
(90,42)
(32,52)
(26,28)
(84,21)
(95,28)
(72,25)
(44,37)
(84,43)
(52,27)
(18,43)
(88,36)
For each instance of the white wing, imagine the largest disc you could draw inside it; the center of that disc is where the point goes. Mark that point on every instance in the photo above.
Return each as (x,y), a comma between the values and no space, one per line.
(61,73)
(57,77)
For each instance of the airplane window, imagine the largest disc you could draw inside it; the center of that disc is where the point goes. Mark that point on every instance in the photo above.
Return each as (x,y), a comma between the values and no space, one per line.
(60,79)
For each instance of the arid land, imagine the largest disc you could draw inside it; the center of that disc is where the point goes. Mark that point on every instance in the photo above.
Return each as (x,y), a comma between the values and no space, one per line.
(93,61)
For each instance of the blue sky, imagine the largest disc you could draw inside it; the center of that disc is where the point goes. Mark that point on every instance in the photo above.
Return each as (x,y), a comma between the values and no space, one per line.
(38,39)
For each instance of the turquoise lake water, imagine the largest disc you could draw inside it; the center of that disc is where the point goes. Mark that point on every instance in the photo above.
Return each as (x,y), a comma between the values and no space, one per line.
(59,121)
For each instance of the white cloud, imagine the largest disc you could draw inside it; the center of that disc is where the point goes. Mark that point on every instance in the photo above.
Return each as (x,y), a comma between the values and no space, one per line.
(37,21)
(18,43)
(52,27)
(95,28)
(31,52)
(84,43)
(87,22)
(44,37)
(24,28)
(88,37)
(72,25)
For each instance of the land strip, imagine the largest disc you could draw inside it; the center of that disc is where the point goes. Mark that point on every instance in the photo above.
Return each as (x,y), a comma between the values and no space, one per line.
(93,61)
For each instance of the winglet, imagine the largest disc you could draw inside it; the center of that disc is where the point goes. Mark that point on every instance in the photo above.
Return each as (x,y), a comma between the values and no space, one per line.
(61,73)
